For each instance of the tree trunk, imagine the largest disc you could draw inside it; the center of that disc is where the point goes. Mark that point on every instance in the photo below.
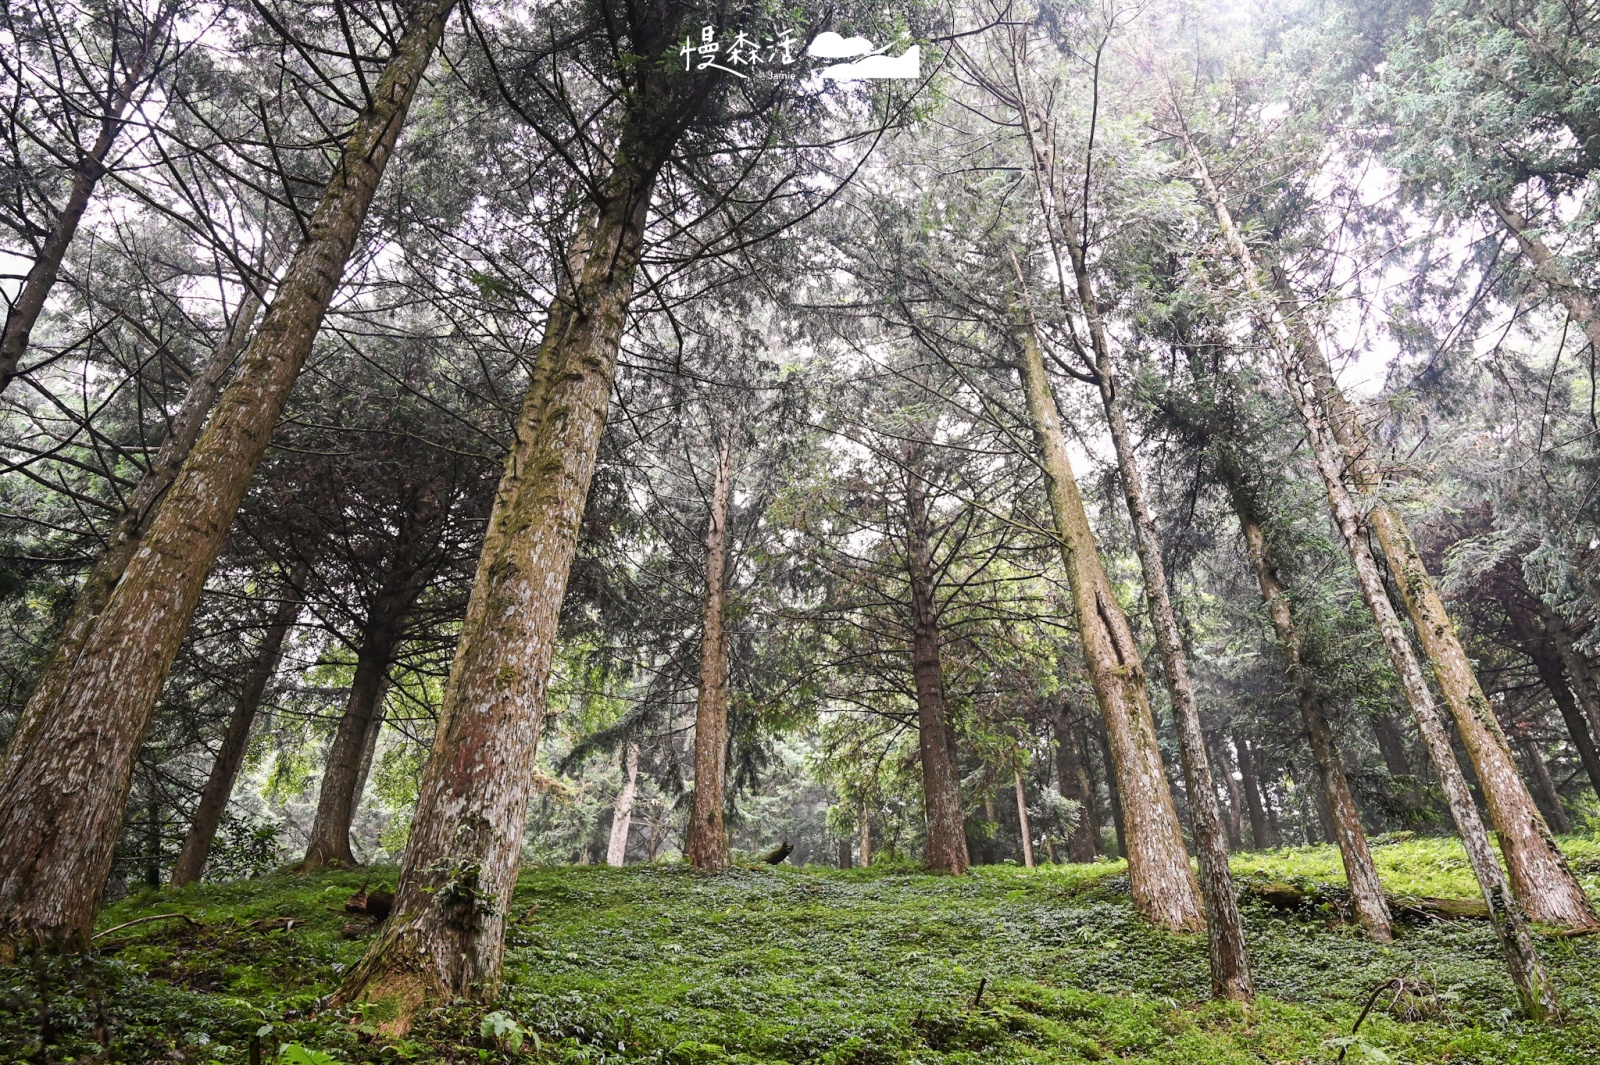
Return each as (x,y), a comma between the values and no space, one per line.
(845,857)
(127,532)
(329,843)
(344,774)
(445,937)
(1250,779)
(1537,643)
(866,836)
(1113,797)
(66,775)
(1230,962)
(1539,773)
(1022,820)
(1511,926)
(1163,885)
(1392,745)
(369,746)
(1073,782)
(1580,675)
(1338,806)
(1230,787)
(25,310)
(707,843)
(941,782)
(1549,269)
(1540,876)
(622,811)
(218,788)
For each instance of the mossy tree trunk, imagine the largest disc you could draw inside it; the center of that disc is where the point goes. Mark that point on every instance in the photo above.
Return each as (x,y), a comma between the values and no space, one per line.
(445,939)
(1162,884)
(706,845)
(1366,892)
(66,775)
(1510,920)
(1230,960)
(1539,873)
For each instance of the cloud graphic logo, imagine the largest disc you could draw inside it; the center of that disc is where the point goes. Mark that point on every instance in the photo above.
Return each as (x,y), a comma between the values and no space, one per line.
(908,65)
(830,45)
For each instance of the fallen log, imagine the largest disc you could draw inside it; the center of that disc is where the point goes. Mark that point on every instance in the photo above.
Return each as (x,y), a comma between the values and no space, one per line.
(143,920)
(1441,909)
(375,904)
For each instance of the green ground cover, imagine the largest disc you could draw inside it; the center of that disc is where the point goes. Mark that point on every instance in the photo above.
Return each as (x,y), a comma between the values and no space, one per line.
(854,967)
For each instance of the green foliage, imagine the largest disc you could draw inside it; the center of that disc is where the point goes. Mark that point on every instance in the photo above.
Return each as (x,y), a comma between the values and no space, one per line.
(875,966)
(244,848)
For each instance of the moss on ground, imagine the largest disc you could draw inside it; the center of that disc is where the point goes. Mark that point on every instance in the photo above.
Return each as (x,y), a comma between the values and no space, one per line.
(853,967)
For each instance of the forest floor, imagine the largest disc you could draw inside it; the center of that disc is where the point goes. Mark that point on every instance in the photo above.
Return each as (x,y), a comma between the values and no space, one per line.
(844,967)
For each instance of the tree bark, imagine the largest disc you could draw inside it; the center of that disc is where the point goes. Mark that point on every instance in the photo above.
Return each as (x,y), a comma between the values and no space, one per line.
(622,810)
(707,842)
(1022,820)
(65,778)
(1533,984)
(1230,961)
(25,310)
(1580,675)
(1510,921)
(329,843)
(218,787)
(1163,885)
(1339,807)
(445,937)
(1537,643)
(941,782)
(1230,787)
(127,532)
(1250,779)
(1540,876)
(1073,782)
(1540,774)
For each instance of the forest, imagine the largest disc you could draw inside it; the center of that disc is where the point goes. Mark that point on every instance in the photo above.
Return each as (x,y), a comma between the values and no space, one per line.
(726,531)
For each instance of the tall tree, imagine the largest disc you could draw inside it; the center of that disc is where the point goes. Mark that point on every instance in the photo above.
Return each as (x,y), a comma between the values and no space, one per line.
(67,770)
(1510,920)
(706,846)
(445,938)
